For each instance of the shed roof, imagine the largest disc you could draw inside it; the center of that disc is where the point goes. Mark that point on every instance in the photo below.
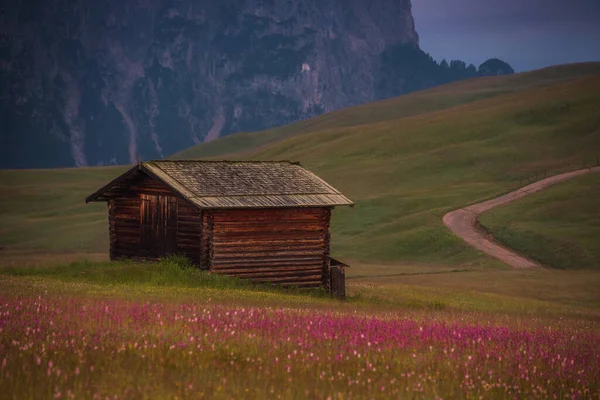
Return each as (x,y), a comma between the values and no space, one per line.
(238,184)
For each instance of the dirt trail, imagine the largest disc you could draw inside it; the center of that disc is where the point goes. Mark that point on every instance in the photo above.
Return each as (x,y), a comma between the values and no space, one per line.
(463,222)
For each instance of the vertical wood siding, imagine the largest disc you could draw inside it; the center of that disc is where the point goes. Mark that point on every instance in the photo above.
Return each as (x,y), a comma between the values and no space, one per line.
(159,225)
(338,282)
(138,231)
(289,246)
(189,231)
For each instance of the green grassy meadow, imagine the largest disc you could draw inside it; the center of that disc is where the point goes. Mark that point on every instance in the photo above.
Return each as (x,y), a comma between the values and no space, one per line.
(407,161)
(404,161)
(422,102)
(560,226)
(142,331)
(426,315)
(44,210)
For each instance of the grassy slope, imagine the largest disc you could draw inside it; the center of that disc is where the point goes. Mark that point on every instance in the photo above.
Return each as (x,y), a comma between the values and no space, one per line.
(95,329)
(45,210)
(422,102)
(405,162)
(405,174)
(559,227)
(515,295)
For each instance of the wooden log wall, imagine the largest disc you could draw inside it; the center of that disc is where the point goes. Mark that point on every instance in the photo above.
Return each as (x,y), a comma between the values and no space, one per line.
(206,240)
(286,246)
(124,215)
(111,229)
(125,221)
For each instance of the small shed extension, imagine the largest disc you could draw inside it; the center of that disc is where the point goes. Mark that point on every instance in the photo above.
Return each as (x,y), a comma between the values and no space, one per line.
(261,220)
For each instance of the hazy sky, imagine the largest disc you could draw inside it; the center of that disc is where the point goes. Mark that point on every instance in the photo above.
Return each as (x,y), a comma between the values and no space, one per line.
(528,34)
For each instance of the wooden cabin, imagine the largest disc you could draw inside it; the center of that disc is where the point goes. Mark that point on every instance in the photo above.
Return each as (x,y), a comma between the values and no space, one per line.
(262,220)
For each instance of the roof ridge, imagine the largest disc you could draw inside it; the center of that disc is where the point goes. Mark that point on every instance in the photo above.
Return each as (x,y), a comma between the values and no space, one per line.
(225,161)
(208,186)
(267,194)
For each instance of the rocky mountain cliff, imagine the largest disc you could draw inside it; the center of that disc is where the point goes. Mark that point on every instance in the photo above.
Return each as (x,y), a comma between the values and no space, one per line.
(101,82)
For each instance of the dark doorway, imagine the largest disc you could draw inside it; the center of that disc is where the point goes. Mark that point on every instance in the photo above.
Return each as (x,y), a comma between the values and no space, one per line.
(159,225)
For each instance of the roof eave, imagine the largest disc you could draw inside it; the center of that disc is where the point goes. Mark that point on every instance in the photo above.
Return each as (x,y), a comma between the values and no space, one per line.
(95,196)
(138,167)
(271,201)
(272,206)
(153,170)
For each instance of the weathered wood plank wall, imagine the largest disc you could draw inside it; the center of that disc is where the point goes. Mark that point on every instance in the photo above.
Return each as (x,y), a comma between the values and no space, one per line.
(338,282)
(289,246)
(206,240)
(159,225)
(125,217)
(112,237)
(124,227)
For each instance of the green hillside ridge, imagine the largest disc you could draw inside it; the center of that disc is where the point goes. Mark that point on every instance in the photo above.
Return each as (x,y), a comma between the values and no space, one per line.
(166,327)
(43,210)
(422,102)
(404,161)
(560,227)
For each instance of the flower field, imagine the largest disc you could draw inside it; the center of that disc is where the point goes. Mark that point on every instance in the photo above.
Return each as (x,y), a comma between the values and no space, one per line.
(99,348)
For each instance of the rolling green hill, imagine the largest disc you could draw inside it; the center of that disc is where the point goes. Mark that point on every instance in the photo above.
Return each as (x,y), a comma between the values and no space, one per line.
(438,98)
(560,227)
(407,161)
(404,161)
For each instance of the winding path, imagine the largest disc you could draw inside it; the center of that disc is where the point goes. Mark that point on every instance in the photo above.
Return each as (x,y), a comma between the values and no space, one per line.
(463,222)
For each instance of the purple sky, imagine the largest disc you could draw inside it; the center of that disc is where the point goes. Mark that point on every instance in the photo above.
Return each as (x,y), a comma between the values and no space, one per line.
(528,34)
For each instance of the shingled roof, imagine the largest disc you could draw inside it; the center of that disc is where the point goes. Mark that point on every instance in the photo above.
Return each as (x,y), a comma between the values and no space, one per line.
(237,184)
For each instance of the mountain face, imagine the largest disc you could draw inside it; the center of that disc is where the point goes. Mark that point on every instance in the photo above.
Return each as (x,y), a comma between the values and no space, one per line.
(101,82)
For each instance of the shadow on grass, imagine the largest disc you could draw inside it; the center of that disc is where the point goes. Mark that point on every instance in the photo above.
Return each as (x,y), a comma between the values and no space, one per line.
(410,273)
(173,271)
